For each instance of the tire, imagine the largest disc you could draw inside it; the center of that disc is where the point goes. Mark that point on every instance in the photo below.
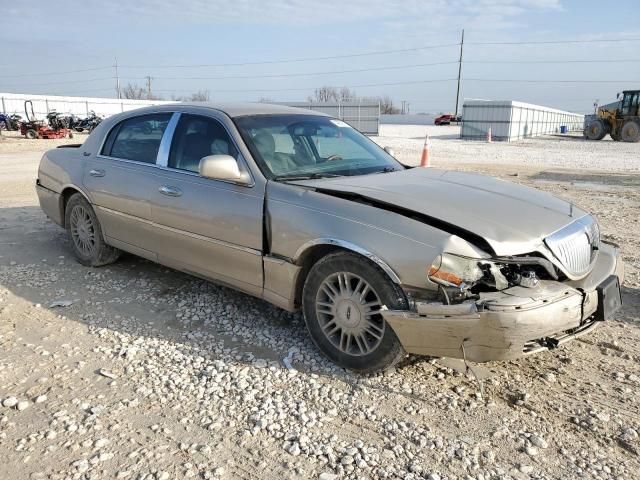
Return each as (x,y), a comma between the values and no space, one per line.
(596,130)
(31,134)
(355,338)
(630,131)
(85,234)
(78,129)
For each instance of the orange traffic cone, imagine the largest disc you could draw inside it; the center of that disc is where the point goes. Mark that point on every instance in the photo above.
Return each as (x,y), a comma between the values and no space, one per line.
(489,135)
(424,161)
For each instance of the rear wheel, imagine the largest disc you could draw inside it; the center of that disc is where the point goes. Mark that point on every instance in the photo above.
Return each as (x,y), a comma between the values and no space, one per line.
(85,233)
(630,131)
(31,134)
(596,130)
(342,299)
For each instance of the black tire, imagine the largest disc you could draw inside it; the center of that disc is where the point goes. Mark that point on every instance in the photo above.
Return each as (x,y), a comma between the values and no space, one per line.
(630,131)
(385,349)
(31,134)
(98,253)
(79,129)
(596,130)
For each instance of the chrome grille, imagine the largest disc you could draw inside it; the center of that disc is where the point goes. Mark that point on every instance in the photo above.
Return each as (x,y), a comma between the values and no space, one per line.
(575,246)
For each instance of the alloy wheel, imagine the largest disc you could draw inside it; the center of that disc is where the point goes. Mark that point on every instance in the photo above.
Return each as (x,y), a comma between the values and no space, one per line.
(348,310)
(83,231)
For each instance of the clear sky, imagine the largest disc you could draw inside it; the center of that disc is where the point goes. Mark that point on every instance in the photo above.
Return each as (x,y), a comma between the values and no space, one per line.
(39,46)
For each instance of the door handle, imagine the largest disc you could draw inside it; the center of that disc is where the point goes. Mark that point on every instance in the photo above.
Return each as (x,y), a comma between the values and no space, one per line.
(170,191)
(97,173)
(86,154)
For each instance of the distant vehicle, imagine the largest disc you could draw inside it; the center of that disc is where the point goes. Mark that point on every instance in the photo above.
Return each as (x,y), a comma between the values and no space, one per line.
(302,210)
(621,123)
(447,119)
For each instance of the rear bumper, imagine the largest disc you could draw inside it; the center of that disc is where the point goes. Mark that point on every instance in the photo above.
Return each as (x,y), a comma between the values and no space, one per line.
(50,203)
(508,324)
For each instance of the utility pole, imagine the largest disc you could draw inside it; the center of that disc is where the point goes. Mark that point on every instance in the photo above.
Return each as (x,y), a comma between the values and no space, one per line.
(149,87)
(459,73)
(117,79)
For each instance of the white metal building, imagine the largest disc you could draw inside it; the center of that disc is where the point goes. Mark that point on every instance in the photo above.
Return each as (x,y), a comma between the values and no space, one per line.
(43,104)
(363,115)
(510,120)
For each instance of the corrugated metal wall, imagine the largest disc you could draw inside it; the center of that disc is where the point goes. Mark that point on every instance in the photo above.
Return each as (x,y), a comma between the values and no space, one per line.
(81,106)
(363,116)
(511,120)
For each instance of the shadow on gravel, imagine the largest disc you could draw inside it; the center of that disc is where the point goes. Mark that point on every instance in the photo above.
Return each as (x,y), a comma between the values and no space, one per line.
(138,297)
(611,181)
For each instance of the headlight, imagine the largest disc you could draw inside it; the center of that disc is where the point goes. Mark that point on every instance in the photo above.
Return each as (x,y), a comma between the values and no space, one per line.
(456,271)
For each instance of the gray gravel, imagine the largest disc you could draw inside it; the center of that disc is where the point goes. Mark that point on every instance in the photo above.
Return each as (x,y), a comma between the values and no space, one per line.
(151,374)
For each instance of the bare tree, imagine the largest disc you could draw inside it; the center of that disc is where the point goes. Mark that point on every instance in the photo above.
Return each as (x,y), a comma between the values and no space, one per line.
(134,92)
(200,96)
(386,105)
(347,95)
(326,94)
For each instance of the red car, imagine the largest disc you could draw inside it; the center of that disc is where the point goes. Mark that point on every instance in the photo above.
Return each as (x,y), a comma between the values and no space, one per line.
(446,119)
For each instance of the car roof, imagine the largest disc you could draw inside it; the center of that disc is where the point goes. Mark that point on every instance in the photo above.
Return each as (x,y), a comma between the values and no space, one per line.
(242,109)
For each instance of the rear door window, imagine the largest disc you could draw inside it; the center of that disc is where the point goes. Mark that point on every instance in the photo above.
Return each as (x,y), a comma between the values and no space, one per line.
(137,138)
(197,137)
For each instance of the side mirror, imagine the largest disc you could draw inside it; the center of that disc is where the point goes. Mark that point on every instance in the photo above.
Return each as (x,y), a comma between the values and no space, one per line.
(390,151)
(222,167)
(618,95)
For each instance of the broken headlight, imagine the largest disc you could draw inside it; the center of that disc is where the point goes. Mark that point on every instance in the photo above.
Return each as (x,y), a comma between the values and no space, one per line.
(464,273)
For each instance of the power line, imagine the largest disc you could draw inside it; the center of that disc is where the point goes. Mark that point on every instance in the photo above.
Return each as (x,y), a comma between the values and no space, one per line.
(516,80)
(554,61)
(304,74)
(350,55)
(311,88)
(297,60)
(385,52)
(559,42)
(373,69)
(88,80)
(56,73)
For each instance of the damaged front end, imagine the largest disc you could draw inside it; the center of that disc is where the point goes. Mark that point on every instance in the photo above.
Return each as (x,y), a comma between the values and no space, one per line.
(500,308)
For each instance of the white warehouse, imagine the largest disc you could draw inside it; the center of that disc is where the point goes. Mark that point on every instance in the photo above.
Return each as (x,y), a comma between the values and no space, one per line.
(510,120)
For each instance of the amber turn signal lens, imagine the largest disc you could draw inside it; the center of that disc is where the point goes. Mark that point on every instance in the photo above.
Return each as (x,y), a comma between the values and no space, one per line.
(445,276)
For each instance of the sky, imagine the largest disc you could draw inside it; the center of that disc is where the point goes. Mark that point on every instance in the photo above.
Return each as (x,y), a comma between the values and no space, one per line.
(248,50)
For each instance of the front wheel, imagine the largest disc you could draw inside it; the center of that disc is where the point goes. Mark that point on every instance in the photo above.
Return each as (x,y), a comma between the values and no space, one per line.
(596,130)
(85,233)
(342,299)
(630,132)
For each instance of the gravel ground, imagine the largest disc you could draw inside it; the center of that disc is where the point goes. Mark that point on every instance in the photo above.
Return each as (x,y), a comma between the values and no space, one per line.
(562,151)
(137,371)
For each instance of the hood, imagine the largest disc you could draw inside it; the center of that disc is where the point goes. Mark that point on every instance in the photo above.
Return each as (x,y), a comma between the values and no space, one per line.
(511,218)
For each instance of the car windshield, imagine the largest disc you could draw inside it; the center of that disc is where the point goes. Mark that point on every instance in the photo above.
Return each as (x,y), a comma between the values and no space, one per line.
(305,146)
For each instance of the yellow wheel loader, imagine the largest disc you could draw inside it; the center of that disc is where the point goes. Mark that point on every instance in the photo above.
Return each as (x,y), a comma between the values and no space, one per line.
(622,122)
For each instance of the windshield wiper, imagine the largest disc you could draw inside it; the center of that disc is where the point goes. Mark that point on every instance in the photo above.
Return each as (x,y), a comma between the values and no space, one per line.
(310,176)
(386,170)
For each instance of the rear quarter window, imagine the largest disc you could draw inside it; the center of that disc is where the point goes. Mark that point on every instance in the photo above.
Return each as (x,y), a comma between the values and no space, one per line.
(137,138)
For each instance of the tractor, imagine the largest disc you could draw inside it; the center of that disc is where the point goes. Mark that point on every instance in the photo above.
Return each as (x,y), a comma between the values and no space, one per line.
(621,122)
(32,128)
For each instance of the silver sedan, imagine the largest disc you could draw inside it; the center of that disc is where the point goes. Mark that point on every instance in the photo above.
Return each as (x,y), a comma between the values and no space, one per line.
(302,210)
